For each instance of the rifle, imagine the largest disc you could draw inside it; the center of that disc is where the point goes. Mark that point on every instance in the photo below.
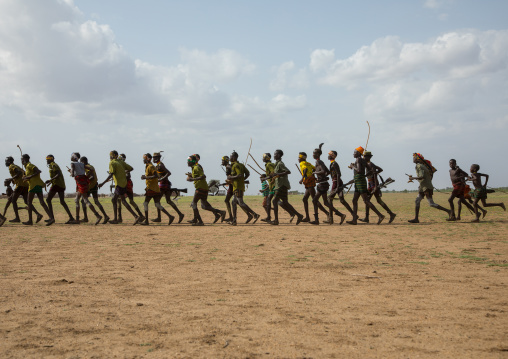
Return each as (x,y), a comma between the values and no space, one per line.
(388,181)
(177,191)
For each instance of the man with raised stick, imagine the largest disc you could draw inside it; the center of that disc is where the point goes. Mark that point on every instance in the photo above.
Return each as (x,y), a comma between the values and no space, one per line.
(239,173)
(361,190)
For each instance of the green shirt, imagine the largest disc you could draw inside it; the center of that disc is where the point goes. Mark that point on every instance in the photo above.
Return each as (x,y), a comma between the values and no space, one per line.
(282,181)
(426,182)
(117,168)
(127,167)
(238,169)
(35,180)
(54,169)
(197,171)
(270,167)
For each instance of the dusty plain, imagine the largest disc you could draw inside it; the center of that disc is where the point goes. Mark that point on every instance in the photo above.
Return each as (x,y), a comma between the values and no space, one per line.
(435,289)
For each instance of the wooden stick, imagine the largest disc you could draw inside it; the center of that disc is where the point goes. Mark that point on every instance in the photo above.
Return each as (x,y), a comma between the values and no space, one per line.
(261,168)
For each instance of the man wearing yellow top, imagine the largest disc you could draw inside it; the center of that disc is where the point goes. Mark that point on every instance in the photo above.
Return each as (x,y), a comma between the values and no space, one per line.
(117,172)
(21,189)
(35,185)
(238,176)
(152,189)
(129,189)
(57,181)
(93,189)
(198,177)
(309,181)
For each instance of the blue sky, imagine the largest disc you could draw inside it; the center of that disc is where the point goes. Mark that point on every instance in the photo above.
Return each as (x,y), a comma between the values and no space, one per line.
(205,77)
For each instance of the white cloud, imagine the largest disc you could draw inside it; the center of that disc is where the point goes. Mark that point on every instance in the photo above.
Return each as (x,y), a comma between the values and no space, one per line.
(287,78)
(55,65)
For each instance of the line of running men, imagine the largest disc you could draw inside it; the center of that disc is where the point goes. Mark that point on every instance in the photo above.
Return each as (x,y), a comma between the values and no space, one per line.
(275,188)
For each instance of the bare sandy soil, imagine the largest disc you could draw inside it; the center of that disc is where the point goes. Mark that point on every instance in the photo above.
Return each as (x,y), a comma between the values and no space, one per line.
(436,289)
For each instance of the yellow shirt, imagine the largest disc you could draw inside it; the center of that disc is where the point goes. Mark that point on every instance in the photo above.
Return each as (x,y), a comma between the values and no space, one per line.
(152,184)
(18,180)
(306,168)
(89,169)
(35,180)
(118,170)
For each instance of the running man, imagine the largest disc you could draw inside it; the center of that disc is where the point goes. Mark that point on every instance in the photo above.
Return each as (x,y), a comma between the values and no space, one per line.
(117,172)
(424,173)
(21,189)
(480,191)
(35,185)
(57,182)
(238,176)
(198,177)
(152,189)
(82,183)
(129,189)
(165,187)
(93,189)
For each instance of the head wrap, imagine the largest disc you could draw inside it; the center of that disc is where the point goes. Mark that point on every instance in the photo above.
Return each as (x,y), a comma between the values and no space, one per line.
(267,155)
(50,157)
(302,155)
(360,149)
(333,154)
(418,155)
(192,159)
(367,153)
(225,158)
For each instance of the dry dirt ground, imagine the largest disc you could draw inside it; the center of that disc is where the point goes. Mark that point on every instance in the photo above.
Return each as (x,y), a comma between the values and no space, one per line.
(436,289)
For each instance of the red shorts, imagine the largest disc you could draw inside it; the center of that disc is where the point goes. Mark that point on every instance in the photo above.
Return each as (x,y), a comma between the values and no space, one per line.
(459,189)
(129,187)
(82,184)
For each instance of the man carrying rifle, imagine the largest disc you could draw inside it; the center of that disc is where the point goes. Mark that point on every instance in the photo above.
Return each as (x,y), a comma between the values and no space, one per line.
(374,187)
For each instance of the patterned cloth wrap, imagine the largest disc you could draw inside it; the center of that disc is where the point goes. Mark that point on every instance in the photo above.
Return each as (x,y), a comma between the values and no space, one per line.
(82,182)
(310,182)
(360,184)
(479,193)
